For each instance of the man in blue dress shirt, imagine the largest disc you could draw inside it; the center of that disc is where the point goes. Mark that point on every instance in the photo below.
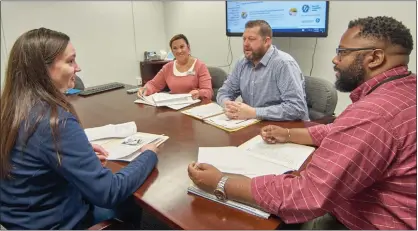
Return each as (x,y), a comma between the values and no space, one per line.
(269,81)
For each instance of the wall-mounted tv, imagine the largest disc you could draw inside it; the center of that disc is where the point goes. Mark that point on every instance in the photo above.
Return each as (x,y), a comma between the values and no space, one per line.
(286,18)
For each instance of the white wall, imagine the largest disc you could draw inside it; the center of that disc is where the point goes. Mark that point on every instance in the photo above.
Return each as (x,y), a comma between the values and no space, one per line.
(204,24)
(102,33)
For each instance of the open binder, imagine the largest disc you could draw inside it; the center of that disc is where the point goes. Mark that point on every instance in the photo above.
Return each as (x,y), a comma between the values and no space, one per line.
(252,159)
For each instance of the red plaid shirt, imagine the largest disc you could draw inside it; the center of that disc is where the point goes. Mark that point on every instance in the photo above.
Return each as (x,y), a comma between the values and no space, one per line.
(364,171)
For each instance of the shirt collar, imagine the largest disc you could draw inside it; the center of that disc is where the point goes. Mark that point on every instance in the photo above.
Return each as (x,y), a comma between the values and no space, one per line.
(365,87)
(267,56)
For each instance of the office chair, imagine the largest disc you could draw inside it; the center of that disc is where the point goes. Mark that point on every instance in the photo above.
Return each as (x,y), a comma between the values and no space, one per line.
(79,83)
(218,78)
(321,97)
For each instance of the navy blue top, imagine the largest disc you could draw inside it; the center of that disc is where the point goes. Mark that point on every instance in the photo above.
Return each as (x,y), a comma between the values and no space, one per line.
(45,193)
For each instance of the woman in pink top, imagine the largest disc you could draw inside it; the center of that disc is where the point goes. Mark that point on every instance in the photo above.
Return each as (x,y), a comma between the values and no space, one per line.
(186,74)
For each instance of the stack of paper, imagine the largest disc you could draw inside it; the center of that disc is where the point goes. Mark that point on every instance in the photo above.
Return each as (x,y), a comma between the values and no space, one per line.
(253,158)
(174,101)
(214,114)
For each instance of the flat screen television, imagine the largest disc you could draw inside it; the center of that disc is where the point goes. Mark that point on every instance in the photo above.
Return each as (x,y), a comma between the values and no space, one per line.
(286,18)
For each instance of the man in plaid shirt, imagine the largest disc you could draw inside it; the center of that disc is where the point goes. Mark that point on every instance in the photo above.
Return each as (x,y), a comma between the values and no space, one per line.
(363,172)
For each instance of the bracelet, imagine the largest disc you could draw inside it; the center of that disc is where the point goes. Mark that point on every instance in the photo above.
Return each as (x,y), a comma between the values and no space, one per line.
(288,135)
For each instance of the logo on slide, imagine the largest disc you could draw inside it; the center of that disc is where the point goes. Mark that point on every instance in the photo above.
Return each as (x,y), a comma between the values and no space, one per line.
(293,11)
(305,8)
(244,15)
(317,20)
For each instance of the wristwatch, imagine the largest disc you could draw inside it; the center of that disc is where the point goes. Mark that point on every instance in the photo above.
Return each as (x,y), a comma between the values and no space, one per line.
(220,189)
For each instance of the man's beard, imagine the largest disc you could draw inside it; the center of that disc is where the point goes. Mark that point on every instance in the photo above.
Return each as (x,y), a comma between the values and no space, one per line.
(351,77)
(256,55)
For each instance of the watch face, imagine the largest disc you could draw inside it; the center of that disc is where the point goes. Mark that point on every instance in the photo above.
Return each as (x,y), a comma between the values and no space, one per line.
(219,194)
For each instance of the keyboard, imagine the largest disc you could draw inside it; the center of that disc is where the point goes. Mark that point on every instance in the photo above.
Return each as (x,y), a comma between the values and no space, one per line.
(101,88)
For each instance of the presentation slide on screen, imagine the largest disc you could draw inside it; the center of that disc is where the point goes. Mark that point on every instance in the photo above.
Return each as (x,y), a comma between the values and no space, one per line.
(283,16)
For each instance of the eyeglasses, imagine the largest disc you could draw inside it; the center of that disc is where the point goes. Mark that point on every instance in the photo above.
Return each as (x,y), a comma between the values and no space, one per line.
(345,51)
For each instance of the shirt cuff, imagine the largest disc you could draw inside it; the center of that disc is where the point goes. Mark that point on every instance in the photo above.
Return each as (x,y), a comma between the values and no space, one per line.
(260,113)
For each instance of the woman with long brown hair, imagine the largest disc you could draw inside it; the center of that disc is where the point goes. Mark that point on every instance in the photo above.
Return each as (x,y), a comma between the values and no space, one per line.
(50,176)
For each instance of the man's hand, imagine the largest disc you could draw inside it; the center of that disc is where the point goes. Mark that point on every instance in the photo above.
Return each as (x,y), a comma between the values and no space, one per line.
(274,134)
(239,111)
(195,94)
(101,153)
(205,176)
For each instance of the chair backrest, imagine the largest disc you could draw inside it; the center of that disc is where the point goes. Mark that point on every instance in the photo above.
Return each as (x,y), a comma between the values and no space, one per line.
(321,97)
(78,83)
(218,78)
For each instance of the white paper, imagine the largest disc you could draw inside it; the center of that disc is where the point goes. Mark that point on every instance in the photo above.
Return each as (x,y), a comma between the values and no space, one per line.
(111,131)
(205,111)
(288,154)
(238,161)
(224,121)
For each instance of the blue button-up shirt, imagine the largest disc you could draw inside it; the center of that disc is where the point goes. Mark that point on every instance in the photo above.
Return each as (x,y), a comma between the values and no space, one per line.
(275,87)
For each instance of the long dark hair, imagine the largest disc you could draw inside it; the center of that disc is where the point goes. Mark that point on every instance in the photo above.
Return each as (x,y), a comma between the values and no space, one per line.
(27,84)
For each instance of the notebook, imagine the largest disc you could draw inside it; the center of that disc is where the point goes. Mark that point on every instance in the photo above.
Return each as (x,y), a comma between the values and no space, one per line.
(213,114)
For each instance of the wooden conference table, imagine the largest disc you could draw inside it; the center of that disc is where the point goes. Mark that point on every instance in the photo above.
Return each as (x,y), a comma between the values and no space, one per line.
(164,194)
